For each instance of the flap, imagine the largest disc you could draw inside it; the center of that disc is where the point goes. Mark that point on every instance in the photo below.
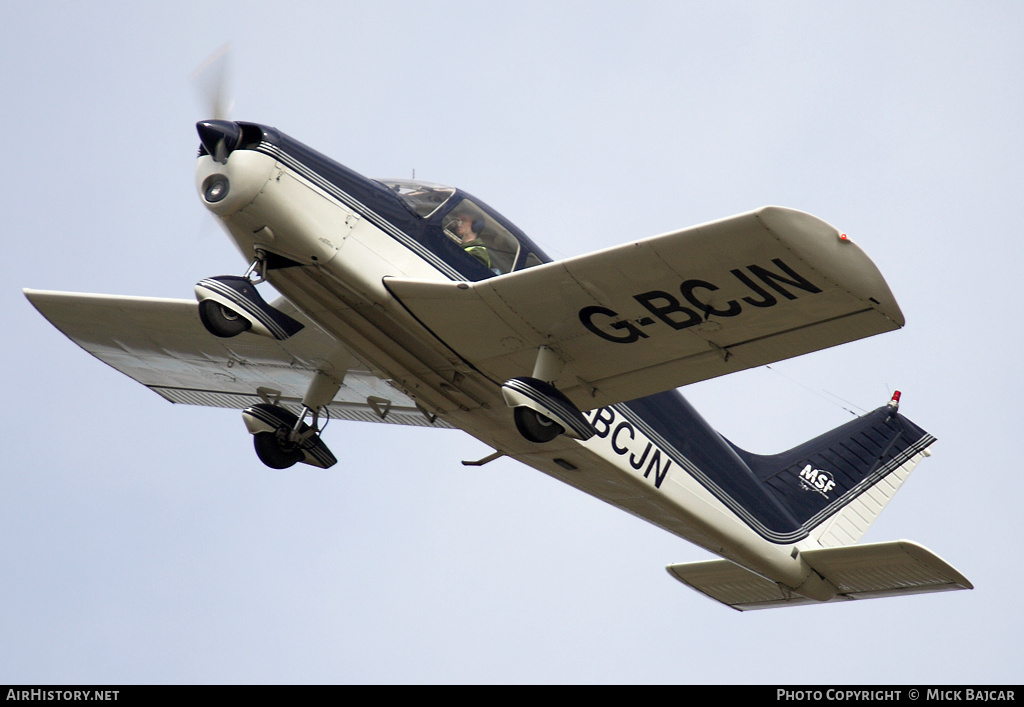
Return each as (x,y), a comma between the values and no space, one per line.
(660,313)
(162,344)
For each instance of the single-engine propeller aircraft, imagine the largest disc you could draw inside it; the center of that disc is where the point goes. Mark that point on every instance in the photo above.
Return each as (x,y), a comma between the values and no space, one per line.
(413,303)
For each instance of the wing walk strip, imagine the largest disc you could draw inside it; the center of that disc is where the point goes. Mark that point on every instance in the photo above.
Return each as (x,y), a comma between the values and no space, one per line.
(344,197)
(736,507)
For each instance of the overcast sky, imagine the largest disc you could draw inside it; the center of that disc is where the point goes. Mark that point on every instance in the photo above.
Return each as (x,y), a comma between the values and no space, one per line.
(143,542)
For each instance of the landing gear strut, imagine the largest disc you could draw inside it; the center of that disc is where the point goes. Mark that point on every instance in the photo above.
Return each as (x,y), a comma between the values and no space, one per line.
(541,411)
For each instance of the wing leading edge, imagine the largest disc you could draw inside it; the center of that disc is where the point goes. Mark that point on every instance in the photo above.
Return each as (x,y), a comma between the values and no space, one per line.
(670,310)
(162,344)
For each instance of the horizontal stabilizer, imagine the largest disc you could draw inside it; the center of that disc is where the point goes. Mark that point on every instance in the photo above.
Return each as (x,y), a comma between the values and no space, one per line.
(857,571)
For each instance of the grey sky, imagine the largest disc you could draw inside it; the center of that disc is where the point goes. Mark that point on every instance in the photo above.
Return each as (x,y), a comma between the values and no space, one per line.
(143,542)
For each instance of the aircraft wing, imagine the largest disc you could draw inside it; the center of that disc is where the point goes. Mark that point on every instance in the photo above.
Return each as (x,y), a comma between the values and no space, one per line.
(663,312)
(162,344)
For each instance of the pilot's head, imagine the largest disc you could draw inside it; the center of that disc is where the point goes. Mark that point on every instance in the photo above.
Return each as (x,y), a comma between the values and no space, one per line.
(468,228)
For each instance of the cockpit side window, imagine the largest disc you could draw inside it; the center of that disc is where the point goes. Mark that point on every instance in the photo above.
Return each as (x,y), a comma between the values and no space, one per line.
(465,233)
(480,236)
(529,261)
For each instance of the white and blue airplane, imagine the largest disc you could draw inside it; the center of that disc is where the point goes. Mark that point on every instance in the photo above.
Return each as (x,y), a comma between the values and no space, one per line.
(413,303)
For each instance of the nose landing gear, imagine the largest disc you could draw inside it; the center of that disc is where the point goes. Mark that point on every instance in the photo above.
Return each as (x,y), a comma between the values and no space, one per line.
(230,305)
(222,321)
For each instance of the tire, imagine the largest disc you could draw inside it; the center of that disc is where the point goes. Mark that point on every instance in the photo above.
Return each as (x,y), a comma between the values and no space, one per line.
(272,453)
(221,321)
(534,426)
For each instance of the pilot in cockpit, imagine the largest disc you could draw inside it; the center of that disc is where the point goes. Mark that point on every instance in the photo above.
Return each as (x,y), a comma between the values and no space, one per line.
(468,229)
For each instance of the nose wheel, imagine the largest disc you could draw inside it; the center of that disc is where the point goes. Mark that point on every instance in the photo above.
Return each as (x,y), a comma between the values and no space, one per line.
(221,321)
(230,305)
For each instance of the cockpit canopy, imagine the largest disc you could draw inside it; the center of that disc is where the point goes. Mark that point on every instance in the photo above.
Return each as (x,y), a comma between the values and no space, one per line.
(422,197)
(474,235)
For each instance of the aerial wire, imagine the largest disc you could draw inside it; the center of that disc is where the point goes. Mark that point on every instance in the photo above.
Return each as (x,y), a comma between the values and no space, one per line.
(823,394)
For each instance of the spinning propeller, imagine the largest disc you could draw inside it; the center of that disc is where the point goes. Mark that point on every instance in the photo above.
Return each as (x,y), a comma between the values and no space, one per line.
(211,79)
(218,135)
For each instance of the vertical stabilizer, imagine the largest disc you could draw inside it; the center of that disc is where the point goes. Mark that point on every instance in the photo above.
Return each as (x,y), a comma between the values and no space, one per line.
(837,484)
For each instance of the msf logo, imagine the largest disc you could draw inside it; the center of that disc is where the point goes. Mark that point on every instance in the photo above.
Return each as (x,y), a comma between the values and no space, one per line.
(817,480)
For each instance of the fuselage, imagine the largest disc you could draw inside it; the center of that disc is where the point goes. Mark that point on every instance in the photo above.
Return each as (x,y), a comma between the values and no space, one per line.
(334,238)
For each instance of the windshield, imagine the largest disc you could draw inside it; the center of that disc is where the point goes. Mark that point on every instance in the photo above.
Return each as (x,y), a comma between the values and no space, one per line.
(422,197)
(465,233)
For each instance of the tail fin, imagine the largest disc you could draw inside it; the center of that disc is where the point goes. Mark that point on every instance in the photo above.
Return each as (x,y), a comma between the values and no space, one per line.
(836,485)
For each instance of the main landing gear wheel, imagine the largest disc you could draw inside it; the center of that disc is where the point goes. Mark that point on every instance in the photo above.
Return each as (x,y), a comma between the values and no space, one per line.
(282,439)
(282,448)
(274,449)
(221,321)
(534,426)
